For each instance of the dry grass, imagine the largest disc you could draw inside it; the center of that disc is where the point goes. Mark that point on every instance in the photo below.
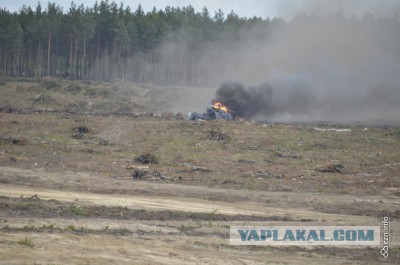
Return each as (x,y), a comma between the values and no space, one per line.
(26,242)
(289,157)
(293,154)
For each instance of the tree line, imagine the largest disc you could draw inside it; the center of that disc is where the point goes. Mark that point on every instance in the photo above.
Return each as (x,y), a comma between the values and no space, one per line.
(111,42)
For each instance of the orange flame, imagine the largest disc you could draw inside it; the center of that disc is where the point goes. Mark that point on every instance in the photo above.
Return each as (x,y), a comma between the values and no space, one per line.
(218,105)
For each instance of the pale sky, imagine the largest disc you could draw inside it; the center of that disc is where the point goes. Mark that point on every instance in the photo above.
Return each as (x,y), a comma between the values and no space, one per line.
(286,9)
(248,8)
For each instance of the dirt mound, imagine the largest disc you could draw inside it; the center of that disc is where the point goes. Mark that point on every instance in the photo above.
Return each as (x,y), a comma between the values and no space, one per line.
(79,132)
(13,141)
(332,169)
(147,158)
(217,136)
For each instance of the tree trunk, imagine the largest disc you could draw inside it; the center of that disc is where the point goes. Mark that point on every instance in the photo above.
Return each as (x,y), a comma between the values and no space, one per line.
(48,53)
(193,81)
(71,65)
(84,55)
(76,59)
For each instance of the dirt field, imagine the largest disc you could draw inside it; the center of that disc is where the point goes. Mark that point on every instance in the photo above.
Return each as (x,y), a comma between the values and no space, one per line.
(76,188)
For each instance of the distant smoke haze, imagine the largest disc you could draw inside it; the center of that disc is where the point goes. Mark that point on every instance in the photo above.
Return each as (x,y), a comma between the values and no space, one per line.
(288,9)
(321,68)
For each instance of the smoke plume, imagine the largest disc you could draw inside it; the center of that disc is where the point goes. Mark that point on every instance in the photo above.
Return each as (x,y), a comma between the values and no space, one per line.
(263,102)
(245,102)
(320,66)
(357,8)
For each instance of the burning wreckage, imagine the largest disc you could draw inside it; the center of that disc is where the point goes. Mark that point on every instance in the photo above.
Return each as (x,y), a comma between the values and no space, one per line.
(214,112)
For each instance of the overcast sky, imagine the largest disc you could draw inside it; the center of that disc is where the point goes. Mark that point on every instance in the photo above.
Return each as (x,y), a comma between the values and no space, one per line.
(248,8)
(245,8)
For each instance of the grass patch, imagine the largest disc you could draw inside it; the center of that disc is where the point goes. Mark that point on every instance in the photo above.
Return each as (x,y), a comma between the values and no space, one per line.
(48,226)
(175,147)
(27,205)
(54,209)
(71,228)
(76,210)
(26,242)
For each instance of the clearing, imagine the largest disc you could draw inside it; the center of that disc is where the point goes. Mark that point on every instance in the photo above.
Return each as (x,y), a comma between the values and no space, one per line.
(100,173)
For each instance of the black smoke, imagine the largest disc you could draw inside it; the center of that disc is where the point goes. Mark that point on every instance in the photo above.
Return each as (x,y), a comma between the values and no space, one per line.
(296,98)
(243,102)
(291,97)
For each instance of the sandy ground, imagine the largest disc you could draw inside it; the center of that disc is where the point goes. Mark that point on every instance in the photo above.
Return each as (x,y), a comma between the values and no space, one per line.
(67,198)
(165,242)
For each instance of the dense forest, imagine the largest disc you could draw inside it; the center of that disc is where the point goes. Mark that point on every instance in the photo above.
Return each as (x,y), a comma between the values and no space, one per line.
(111,42)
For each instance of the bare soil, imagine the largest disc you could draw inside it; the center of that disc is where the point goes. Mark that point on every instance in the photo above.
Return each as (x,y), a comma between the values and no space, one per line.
(66,199)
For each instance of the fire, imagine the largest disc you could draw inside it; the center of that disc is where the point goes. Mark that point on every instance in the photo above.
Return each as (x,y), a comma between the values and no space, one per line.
(218,105)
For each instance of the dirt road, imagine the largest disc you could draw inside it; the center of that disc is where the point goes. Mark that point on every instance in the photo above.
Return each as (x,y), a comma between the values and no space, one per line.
(91,240)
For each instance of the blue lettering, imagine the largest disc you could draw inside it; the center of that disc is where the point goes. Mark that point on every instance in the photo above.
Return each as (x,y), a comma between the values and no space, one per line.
(243,234)
(300,235)
(253,235)
(322,235)
(313,235)
(289,235)
(351,235)
(368,237)
(338,235)
(266,234)
(275,235)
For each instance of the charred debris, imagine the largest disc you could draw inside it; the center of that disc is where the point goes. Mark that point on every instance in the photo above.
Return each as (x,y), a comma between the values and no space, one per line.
(217,111)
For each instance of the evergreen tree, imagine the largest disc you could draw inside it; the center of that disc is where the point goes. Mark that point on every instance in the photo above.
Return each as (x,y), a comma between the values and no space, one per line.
(176,45)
